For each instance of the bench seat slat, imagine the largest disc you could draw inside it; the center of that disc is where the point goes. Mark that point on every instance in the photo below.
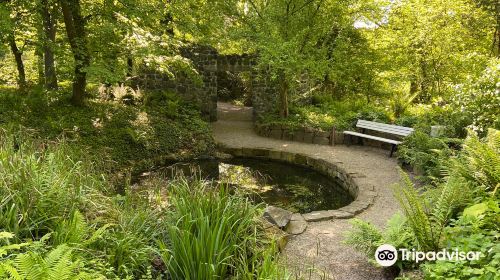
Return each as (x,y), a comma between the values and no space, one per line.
(382,124)
(387,128)
(396,132)
(381,139)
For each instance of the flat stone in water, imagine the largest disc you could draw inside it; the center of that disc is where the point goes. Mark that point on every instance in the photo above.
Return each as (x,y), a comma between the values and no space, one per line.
(277,216)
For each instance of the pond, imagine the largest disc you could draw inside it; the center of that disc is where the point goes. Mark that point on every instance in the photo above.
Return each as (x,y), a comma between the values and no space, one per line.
(292,187)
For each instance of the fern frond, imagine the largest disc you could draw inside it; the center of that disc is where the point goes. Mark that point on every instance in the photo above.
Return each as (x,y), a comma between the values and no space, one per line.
(413,206)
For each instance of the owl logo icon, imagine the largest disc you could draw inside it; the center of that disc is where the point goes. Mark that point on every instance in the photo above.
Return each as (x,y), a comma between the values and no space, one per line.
(386,255)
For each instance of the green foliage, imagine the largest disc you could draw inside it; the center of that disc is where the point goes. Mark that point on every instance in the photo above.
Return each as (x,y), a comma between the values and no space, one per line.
(425,154)
(473,231)
(427,218)
(426,47)
(41,187)
(214,235)
(329,113)
(478,99)
(122,136)
(365,237)
(468,190)
(39,261)
(400,101)
(479,163)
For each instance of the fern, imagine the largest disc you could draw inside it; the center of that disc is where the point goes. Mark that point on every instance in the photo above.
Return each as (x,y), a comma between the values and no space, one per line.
(365,237)
(480,161)
(57,264)
(414,208)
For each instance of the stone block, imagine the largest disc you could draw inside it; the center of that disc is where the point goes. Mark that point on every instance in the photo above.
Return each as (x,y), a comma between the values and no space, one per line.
(277,216)
(322,134)
(316,216)
(300,159)
(288,157)
(308,137)
(337,214)
(297,224)
(288,134)
(276,155)
(338,138)
(321,140)
(276,133)
(298,136)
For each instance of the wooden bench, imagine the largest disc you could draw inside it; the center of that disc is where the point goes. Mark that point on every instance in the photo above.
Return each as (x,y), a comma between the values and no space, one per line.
(400,131)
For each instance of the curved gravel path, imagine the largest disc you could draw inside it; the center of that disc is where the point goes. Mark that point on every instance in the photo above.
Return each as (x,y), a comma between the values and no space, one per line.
(319,253)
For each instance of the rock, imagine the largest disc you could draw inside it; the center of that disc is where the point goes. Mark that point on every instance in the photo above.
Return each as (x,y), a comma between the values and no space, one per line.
(277,216)
(278,236)
(308,137)
(341,214)
(298,136)
(288,134)
(276,133)
(316,216)
(321,140)
(297,224)
(221,155)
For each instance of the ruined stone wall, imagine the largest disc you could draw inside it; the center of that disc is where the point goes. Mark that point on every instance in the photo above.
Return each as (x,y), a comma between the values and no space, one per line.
(210,64)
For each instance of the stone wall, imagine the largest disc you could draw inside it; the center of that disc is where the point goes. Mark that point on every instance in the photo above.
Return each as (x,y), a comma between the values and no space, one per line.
(211,66)
(302,134)
(316,136)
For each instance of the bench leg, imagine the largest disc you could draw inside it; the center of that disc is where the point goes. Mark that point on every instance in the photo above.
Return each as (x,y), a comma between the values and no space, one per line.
(393,148)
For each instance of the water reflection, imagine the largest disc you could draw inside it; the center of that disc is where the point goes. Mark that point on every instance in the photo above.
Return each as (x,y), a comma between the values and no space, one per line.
(291,187)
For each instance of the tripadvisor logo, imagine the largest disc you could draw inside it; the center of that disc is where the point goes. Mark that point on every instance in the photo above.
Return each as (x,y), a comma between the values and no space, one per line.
(387,255)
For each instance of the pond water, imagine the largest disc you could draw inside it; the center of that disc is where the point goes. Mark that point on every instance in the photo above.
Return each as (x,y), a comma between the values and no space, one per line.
(284,185)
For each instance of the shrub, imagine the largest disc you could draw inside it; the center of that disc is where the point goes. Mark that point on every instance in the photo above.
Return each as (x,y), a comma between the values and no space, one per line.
(479,100)
(42,187)
(428,217)
(215,235)
(479,162)
(425,154)
(476,230)
(39,261)
(366,238)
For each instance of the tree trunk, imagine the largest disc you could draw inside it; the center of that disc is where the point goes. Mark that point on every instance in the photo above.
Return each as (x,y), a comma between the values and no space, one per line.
(75,28)
(21,75)
(497,35)
(49,28)
(130,66)
(283,96)
(39,66)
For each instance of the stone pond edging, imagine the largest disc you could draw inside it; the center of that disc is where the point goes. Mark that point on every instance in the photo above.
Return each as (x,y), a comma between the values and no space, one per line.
(363,193)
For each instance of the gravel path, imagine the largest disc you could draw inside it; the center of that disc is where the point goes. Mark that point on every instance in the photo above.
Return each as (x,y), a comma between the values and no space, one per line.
(319,253)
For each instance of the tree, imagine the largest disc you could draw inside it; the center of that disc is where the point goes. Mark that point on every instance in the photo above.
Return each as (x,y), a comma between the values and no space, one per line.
(11,22)
(49,37)
(427,47)
(303,41)
(75,29)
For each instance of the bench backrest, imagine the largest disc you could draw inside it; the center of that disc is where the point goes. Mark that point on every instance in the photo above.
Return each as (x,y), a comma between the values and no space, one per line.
(386,128)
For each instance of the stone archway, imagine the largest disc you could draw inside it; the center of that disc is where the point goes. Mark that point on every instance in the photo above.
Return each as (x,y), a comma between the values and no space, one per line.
(213,67)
